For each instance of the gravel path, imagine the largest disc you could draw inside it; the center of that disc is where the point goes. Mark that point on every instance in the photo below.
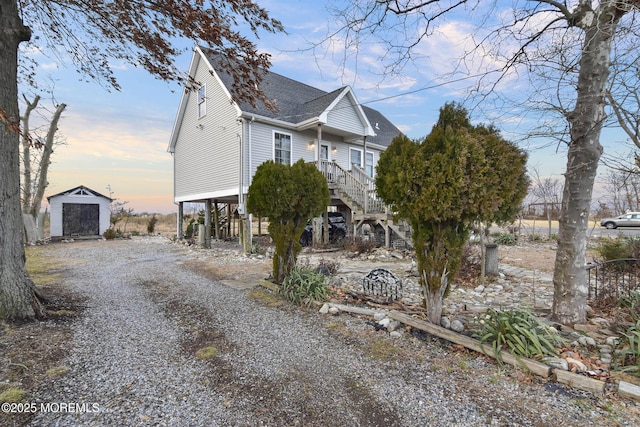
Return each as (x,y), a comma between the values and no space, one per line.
(133,360)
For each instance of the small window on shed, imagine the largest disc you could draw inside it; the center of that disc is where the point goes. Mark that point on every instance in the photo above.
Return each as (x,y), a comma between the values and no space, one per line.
(202,101)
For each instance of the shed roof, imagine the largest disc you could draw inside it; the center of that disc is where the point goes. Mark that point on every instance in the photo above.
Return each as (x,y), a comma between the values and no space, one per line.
(80,190)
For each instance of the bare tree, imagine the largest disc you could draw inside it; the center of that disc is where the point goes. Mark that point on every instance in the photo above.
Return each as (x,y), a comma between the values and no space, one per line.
(94,35)
(35,179)
(623,191)
(519,37)
(27,144)
(547,191)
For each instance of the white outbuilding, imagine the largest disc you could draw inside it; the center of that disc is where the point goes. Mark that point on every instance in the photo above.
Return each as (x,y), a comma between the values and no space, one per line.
(79,212)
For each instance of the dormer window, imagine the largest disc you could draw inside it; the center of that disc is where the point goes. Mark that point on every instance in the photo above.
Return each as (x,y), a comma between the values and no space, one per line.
(202,101)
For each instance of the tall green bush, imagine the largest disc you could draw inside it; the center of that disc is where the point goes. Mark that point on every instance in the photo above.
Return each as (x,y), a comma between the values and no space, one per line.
(288,195)
(459,174)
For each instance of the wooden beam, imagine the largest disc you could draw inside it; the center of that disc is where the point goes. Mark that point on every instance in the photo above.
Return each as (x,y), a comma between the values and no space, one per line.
(628,390)
(535,367)
(579,381)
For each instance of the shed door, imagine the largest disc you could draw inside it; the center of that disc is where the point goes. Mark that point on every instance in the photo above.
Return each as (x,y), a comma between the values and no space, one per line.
(80,219)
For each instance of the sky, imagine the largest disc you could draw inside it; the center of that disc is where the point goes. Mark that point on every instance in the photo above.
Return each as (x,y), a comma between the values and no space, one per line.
(116,142)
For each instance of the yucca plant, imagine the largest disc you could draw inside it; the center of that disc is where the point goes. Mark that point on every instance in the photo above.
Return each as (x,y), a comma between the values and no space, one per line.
(518,332)
(628,354)
(631,304)
(505,239)
(304,285)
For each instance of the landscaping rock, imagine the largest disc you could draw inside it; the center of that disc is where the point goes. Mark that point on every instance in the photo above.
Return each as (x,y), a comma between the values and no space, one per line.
(457,326)
(587,341)
(393,326)
(379,316)
(556,362)
(445,322)
(384,322)
(576,364)
(324,309)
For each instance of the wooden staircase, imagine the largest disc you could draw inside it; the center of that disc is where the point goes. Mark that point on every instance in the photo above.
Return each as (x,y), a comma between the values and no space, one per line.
(357,191)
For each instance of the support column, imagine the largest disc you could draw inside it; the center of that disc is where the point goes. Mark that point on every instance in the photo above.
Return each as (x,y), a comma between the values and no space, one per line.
(180,221)
(247,233)
(387,234)
(207,224)
(216,220)
(325,231)
(316,224)
(201,235)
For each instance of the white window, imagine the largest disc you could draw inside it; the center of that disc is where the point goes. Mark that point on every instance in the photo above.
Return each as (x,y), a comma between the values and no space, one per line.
(282,148)
(202,101)
(368,166)
(355,157)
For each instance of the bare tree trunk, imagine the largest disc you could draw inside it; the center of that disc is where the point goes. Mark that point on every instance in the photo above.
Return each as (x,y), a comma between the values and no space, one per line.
(17,294)
(570,275)
(26,154)
(45,161)
(434,296)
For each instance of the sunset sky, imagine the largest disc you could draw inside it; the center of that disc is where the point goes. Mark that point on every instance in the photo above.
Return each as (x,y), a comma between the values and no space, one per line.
(119,139)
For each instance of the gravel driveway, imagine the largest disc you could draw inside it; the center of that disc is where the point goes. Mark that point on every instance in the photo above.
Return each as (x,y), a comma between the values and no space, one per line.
(133,359)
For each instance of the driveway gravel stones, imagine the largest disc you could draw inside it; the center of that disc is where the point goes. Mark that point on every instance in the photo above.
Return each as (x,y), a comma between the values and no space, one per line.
(133,358)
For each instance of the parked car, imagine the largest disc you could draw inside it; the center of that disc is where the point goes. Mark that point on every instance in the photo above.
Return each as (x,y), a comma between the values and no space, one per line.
(630,219)
(337,229)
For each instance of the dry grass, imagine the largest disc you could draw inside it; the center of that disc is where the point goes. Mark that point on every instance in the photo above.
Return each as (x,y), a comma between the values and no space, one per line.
(166,225)
(29,352)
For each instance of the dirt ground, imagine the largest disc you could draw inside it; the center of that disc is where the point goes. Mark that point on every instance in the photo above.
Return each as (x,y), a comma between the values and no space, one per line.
(532,257)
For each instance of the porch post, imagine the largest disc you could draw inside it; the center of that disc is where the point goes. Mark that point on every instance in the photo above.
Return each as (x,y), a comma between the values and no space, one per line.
(364,162)
(318,146)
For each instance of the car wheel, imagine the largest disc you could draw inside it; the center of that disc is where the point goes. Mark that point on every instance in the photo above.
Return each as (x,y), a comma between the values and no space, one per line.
(305,239)
(339,235)
(610,226)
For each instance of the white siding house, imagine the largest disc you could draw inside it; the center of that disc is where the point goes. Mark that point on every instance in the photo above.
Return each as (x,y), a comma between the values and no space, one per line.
(217,143)
(79,212)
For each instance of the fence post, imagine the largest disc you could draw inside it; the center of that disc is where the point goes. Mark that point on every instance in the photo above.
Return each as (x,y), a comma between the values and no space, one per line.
(491,259)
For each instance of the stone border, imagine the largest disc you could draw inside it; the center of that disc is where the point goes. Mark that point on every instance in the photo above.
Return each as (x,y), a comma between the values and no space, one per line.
(581,382)
(597,387)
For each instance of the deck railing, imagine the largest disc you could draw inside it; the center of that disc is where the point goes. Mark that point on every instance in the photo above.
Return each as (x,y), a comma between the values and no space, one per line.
(375,204)
(356,184)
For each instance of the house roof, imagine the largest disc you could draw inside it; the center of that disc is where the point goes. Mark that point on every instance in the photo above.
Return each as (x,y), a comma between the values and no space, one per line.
(298,102)
(79,190)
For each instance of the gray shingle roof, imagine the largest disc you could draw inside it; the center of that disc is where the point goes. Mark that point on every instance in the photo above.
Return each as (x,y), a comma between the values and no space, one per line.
(297,102)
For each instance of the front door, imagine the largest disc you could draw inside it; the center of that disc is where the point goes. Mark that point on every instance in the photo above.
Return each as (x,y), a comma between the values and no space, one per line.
(324,152)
